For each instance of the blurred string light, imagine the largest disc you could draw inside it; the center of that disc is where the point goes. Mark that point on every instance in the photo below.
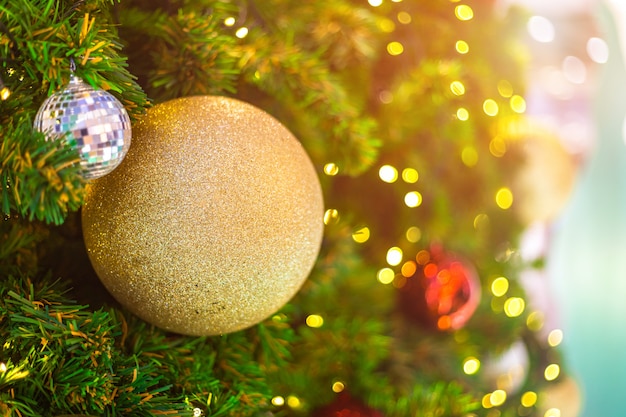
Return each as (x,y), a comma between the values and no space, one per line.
(404,18)
(385,276)
(331,216)
(338,386)
(499,286)
(361,235)
(514,306)
(505,88)
(553,412)
(242,32)
(497,147)
(413,199)
(387,25)
(315,321)
(375,3)
(410,175)
(229,21)
(518,104)
(535,321)
(388,173)
(294,402)
(278,401)
(529,399)
(541,29)
(395,48)
(462,47)
(598,50)
(3,367)
(504,198)
(555,337)
(394,256)
(552,372)
(490,107)
(457,88)
(574,69)
(463,12)
(331,169)
(469,156)
(4,91)
(481,221)
(462,114)
(471,365)
(413,234)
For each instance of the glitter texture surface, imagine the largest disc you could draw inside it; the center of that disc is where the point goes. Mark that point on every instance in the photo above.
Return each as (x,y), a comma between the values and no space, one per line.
(94,121)
(212,222)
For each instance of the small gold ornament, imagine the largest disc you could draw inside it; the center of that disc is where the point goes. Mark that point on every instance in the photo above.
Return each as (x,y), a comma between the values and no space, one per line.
(212,222)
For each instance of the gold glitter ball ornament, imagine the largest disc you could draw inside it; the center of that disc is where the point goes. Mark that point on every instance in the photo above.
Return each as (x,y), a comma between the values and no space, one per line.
(211,223)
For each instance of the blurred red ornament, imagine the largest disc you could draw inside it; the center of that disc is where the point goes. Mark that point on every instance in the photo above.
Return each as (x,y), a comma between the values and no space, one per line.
(345,406)
(438,290)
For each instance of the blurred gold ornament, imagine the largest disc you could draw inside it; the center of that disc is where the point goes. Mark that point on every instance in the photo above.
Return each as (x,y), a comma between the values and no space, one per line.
(212,222)
(545,181)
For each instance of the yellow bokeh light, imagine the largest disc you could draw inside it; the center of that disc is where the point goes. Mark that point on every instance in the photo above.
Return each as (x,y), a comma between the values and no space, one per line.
(497,147)
(518,104)
(388,173)
(315,321)
(278,401)
(375,3)
(553,412)
(462,47)
(490,107)
(457,88)
(387,25)
(499,286)
(410,175)
(404,18)
(463,12)
(394,256)
(422,257)
(552,372)
(529,399)
(3,367)
(481,221)
(514,307)
(408,269)
(4,93)
(385,276)
(471,365)
(331,169)
(229,21)
(487,401)
(361,235)
(498,397)
(413,199)
(469,156)
(338,386)
(242,32)
(555,337)
(462,114)
(331,216)
(385,96)
(293,401)
(395,48)
(535,321)
(505,88)
(413,234)
(504,198)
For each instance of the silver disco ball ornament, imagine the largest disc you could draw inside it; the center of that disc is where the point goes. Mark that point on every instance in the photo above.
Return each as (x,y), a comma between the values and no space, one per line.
(92,120)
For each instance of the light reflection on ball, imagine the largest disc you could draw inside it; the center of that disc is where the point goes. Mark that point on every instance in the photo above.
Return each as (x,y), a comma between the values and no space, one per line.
(212,222)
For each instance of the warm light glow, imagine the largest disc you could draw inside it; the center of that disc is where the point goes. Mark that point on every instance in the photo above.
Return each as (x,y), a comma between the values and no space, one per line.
(3,367)
(331,169)
(487,401)
(471,365)
(410,175)
(514,307)
(361,235)
(387,25)
(338,386)
(598,50)
(552,372)
(388,173)
(293,401)
(535,321)
(395,48)
(315,321)
(4,93)
(242,32)
(408,269)
(499,286)
(529,399)
(498,397)
(497,147)
(469,156)
(540,29)
(394,256)
(229,21)
(504,198)
(553,412)
(555,337)
(375,3)
(457,88)
(518,104)
(463,12)
(481,221)
(490,107)
(505,88)
(385,276)
(278,401)
(404,18)
(331,216)
(413,199)
(462,47)
(462,114)
(422,257)
(413,234)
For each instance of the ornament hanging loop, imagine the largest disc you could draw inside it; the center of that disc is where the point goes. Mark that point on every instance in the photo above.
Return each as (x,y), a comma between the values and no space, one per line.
(72,66)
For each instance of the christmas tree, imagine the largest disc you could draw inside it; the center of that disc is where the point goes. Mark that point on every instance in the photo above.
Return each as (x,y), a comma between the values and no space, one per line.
(410,112)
